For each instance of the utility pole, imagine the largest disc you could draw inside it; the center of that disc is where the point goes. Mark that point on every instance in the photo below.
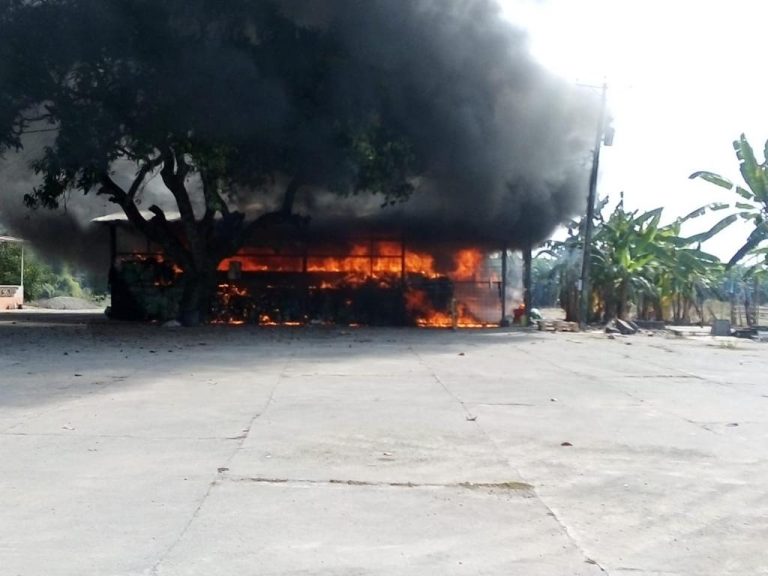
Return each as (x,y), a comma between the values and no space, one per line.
(585,288)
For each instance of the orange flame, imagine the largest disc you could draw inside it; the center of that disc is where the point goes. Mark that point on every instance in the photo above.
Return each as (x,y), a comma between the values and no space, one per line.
(417,303)
(385,263)
(468,264)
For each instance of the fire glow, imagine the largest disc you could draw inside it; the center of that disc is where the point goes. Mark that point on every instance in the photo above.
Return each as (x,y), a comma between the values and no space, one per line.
(386,265)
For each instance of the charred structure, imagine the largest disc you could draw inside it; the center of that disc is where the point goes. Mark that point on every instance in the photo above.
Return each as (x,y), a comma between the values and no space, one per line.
(346,277)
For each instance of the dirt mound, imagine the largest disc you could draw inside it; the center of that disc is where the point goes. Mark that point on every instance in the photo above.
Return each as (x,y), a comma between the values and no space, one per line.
(66,303)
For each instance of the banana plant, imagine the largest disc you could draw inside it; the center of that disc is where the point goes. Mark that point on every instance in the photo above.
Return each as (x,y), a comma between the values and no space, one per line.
(752,204)
(636,260)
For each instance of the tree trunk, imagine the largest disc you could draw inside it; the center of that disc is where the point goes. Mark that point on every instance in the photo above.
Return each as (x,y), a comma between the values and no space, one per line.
(686,310)
(198,291)
(747,308)
(569,297)
(698,307)
(527,263)
(607,307)
(622,308)
(642,307)
(676,308)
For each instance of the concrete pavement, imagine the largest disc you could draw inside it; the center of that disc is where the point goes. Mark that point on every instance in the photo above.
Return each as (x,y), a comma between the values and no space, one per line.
(138,450)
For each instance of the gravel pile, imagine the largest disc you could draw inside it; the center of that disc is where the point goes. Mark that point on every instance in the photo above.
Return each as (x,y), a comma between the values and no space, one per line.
(66,303)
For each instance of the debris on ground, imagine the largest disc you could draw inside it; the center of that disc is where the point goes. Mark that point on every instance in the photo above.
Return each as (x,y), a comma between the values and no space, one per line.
(656,325)
(557,326)
(721,328)
(756,333)
(619,326)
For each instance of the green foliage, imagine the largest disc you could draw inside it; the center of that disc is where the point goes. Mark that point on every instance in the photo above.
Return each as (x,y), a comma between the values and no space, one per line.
(41,280)
(385,161)
(635,260)
(545,286)
(755,210)
(10,263)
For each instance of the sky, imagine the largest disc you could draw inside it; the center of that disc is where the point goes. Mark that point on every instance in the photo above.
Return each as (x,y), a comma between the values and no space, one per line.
(685,78)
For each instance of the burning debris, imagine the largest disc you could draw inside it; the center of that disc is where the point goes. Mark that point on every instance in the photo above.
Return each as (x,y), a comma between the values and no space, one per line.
(340,281)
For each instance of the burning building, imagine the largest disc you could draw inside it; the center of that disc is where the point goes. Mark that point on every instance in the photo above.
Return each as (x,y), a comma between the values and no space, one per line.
(352,100)
(350,277)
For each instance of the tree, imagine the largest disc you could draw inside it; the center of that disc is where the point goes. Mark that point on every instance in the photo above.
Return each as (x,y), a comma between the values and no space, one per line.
(41,280)
(636,260)
(752,205)
(211,97)
(10,263)
(622,257)
(545,286)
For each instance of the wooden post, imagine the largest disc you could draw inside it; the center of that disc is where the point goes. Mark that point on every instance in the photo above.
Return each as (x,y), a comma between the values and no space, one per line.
(527,264)
(305,279)
(371,256)
(756,300)
(402,261)
(112,274)
(21,272)
(503,288)
(112,244)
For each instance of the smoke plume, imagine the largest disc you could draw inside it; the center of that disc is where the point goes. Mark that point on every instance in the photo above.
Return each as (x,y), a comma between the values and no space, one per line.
(504,144)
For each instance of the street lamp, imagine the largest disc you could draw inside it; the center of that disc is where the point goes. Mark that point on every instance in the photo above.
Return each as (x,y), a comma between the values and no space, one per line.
(603,135)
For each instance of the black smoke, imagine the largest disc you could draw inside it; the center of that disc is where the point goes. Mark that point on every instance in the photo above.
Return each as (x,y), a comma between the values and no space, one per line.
(506,144)
(503,144)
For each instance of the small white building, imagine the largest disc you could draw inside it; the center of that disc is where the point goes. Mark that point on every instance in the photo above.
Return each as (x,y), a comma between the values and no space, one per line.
(12,295)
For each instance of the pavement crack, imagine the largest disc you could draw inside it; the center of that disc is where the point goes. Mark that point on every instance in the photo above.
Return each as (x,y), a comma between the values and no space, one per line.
(184,530)
(467,412)
(525,404)
(240,439)
(512,486)
(500,454)
(657,572)
(703,426)
(587,558)
(66,432)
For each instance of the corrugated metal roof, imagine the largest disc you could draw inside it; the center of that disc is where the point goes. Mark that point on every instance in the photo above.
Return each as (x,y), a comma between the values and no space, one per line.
(10,239)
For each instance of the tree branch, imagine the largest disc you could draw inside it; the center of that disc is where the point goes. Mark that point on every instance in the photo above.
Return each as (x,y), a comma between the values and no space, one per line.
(110,188)
(145,170)
(174,172)
(32,119)
(213,202)
(290,195)
(157,230)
